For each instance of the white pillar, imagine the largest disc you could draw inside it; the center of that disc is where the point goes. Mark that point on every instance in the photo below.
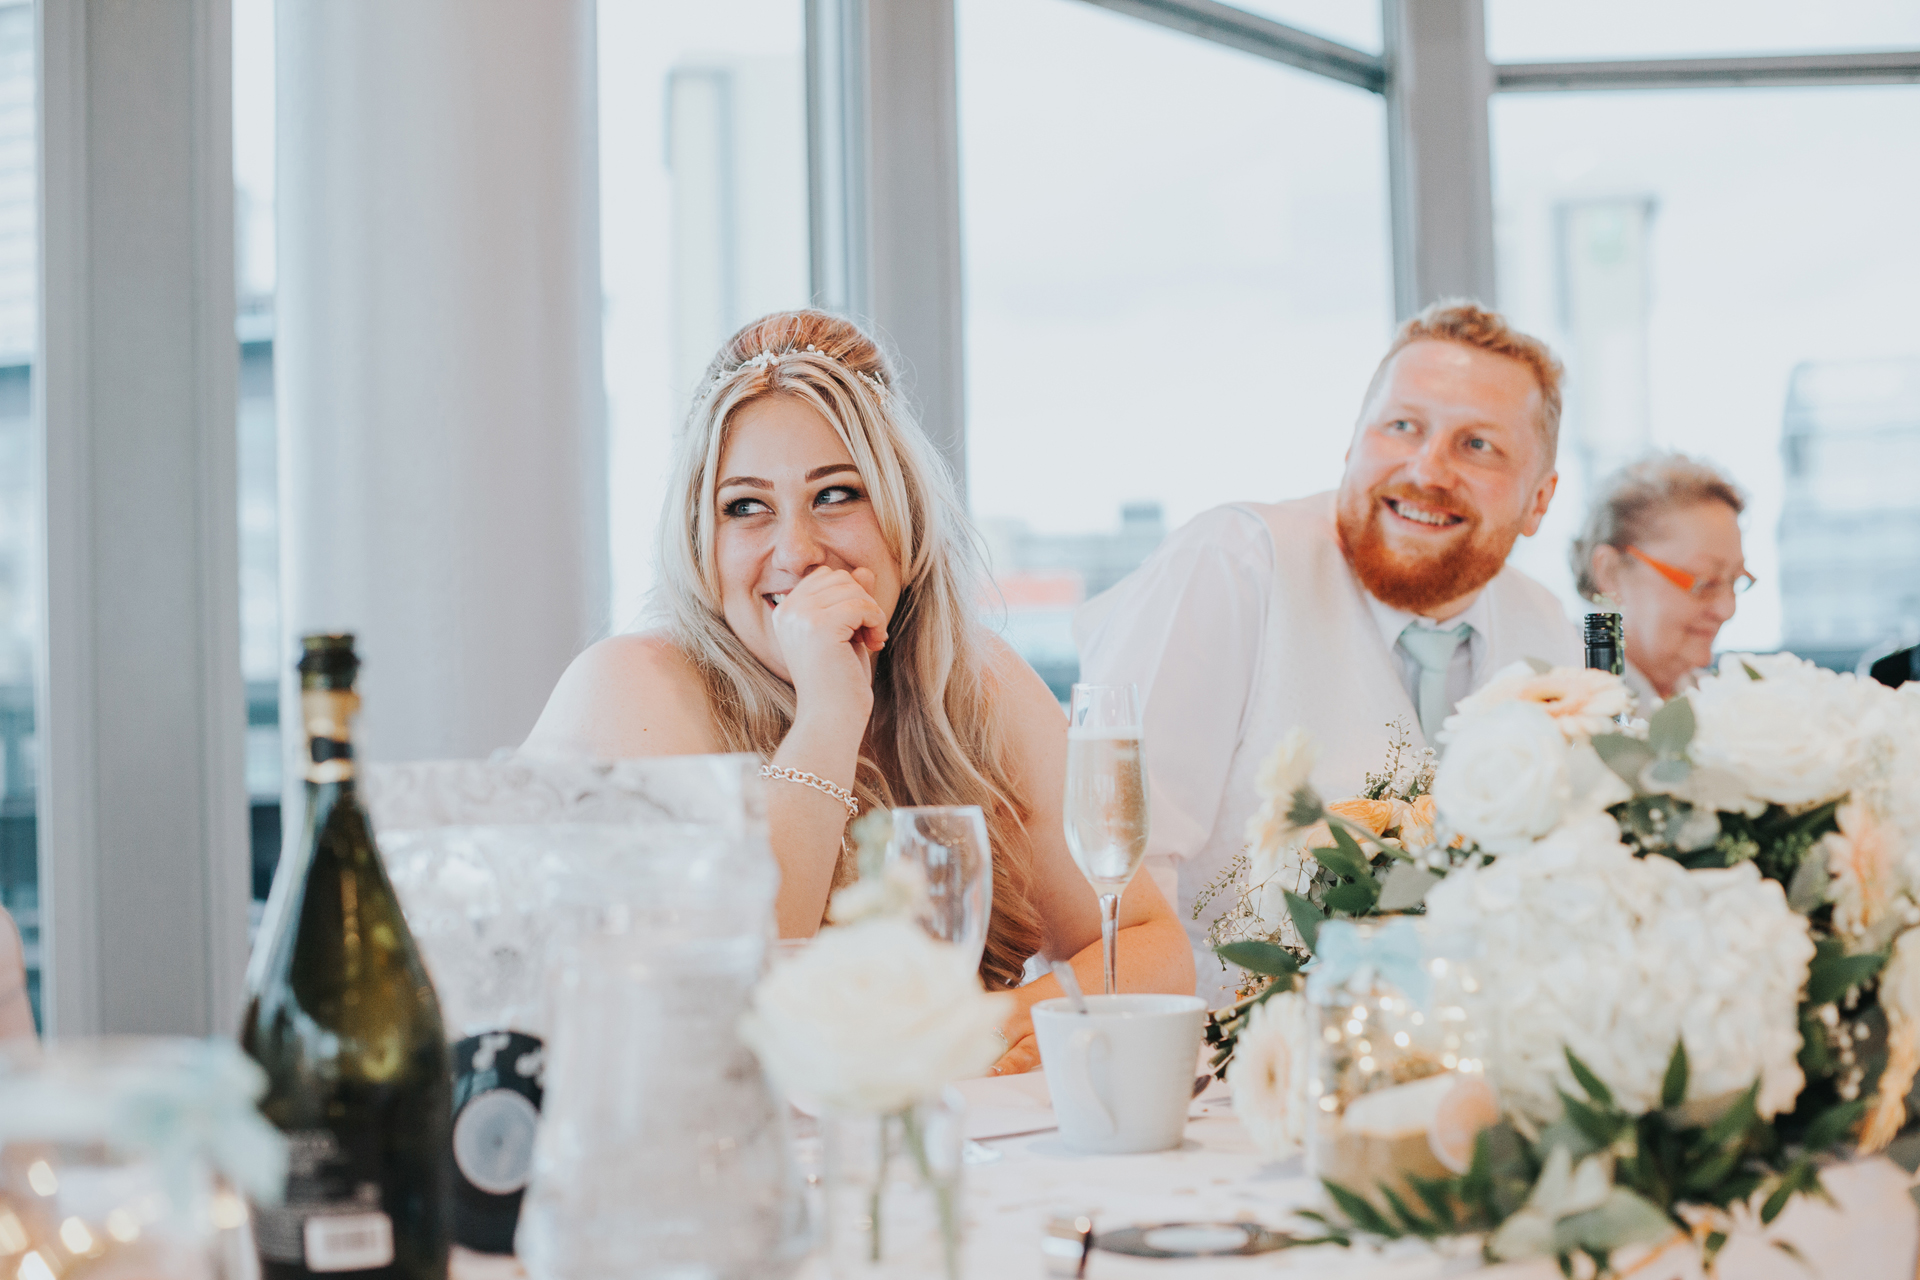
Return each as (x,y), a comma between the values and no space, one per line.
(442,477)
(1438,83)
(142,718)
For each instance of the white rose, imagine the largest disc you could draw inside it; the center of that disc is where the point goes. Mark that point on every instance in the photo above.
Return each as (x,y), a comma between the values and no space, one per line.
(873,1017)
(1791,736)
(1272,1059)
(1505,779)
(1581,701)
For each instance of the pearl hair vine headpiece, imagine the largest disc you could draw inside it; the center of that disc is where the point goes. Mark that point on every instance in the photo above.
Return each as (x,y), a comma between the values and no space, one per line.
(767,359)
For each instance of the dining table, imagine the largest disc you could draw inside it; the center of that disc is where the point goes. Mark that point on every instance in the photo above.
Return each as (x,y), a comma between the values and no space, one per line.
(1022,1179)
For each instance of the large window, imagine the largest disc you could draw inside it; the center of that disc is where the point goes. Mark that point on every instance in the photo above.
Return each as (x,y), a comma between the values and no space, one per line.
(263,651)
(1177,285)
(19,489)
(1537,31)
(703,223)
(1717,266)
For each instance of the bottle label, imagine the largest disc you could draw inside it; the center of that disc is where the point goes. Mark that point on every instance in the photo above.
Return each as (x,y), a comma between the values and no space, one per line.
(329,717)
(331,1218)
(349,1242)
(496,1107)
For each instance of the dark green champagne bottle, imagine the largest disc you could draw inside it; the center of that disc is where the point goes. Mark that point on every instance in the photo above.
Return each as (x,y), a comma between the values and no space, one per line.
(342,1016)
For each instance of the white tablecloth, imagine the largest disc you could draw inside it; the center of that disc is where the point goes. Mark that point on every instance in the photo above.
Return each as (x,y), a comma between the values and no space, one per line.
(1215,1175)
(1872,1232)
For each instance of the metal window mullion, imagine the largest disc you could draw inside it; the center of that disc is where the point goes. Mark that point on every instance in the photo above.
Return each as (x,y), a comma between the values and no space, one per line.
(1786,70)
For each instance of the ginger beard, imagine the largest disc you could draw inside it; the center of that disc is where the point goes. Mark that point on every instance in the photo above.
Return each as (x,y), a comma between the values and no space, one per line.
(1458,560)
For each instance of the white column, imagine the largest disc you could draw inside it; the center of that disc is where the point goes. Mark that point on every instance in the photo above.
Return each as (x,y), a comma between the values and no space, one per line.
(1438,83)
(141,713)
(442,476)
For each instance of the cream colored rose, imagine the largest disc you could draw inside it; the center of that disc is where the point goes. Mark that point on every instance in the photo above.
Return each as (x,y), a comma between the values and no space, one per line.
(1860,860)
(873,1017)
(1582,702)
(1505,780)
(1271,1062)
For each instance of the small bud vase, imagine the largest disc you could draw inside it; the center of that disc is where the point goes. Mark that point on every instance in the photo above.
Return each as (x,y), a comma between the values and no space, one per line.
(893,1190)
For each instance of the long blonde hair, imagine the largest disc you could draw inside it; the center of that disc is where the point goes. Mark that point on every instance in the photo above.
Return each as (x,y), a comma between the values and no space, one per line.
(936,722)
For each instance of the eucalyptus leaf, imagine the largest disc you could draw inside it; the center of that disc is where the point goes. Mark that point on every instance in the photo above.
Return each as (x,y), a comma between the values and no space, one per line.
(1345,859)
(1626,756)
(1349,846)
(1406,886)
(1671,727)
(1354,899)
(1623,1218)
(1808,892)
(1540,665)
(1259,957)
(1751,673)
(1307,918)
(1669,771)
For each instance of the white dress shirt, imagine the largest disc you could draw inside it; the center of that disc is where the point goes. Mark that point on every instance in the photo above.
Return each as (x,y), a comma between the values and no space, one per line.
(1247,622)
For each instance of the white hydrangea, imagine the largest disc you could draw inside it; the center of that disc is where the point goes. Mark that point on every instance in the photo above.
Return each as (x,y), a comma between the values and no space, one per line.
(1792,737)
(1584,946)
(1272,1059)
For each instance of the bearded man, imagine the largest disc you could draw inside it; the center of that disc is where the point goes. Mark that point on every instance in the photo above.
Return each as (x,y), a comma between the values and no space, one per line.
(1348,613)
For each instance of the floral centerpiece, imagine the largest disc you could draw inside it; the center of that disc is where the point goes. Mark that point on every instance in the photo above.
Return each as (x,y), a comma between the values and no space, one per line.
(1697,938)
(870,1023)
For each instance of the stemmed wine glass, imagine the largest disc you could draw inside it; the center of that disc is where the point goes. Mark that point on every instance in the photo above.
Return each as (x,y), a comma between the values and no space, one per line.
(948,844)
(1106,807)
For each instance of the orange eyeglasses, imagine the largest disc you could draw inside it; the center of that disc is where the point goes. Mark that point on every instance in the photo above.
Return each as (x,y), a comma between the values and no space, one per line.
(1698,588)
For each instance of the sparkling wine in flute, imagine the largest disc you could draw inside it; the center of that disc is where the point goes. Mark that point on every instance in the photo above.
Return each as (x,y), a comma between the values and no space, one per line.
(1106,802)
(1106,809)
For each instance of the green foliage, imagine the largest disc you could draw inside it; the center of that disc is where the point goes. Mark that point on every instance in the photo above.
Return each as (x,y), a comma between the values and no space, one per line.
(1307,918)
(1833,972)
(1267,958)
(1660,1160)
(1673,1086)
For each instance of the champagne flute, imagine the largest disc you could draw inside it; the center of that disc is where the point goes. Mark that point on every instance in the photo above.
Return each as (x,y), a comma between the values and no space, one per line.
(1106,807)
(948,845)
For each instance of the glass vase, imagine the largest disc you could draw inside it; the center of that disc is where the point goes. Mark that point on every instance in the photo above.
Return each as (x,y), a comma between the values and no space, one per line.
(1396,1089)
(102,1171)
(893,1190)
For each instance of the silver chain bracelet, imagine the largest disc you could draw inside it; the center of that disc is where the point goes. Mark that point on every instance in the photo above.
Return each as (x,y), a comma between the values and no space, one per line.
(815,781)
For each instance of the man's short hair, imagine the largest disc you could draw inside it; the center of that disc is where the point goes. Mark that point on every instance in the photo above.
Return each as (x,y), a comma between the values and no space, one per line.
(1472,325)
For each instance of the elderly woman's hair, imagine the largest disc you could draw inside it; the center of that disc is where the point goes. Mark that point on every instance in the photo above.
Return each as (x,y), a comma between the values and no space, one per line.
(936,714)
(1631,501)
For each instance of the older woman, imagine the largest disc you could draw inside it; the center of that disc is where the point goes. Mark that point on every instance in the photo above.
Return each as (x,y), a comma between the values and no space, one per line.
(1662,543)
(817,582)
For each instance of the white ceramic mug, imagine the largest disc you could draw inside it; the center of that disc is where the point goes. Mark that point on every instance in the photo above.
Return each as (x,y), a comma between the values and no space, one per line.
(1121,1074)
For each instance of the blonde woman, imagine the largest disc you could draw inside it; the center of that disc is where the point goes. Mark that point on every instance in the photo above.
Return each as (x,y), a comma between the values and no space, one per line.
(816,584)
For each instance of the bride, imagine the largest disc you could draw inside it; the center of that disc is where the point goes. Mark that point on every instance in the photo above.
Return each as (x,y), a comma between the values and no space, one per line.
(817,583)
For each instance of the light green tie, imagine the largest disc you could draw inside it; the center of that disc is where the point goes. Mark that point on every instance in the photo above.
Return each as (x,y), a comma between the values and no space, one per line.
(1433,650)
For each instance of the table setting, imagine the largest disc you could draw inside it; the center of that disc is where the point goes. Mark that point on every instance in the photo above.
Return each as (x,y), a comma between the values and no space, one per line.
(1586,995)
